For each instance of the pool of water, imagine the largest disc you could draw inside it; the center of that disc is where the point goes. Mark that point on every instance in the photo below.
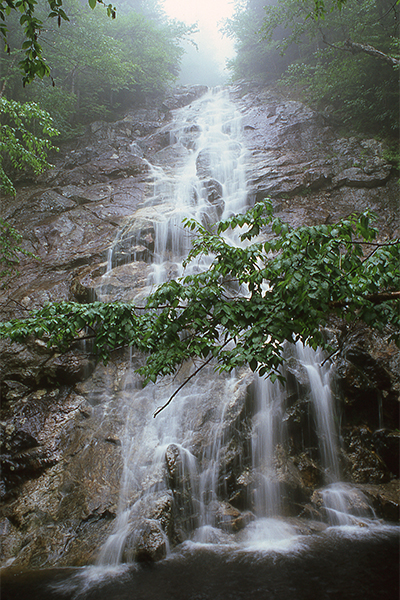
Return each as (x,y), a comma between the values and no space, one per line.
(339,564)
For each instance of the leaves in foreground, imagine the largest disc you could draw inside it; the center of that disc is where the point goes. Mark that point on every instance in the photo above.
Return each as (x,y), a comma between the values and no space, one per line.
(247,304)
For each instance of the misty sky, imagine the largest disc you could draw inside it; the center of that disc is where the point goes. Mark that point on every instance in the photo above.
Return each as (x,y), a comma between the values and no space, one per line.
(205,65)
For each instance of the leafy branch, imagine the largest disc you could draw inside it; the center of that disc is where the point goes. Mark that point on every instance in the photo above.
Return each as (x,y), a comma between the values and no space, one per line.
(293,282)
(20,144)
(34,65)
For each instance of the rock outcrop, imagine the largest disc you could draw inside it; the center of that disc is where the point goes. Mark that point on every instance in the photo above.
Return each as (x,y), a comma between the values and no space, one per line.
(314,175)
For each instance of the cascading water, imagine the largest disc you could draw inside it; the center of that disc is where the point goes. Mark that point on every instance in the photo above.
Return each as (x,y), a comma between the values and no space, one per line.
(319,375)
(213,482)
(267,434)
(344,505)
(186,443)
(215,477)
(208,184)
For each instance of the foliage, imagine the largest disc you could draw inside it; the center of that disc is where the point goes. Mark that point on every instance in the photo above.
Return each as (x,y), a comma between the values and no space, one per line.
(62,104)
(392,155)
(33,64)
(24,142)
(88,65)
(10,247)
(255,57)
(359,92)
(290,284)
(98,65)
(24,139)
(314,56)
(319,8)
(154,48)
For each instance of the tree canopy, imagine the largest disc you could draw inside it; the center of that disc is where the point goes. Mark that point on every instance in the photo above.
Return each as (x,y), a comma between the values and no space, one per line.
(99,66)
(33,64)
(249,302)
(344,60)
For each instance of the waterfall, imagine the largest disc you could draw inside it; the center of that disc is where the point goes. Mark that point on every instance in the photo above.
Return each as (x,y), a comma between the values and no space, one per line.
(177,460)
(207,184)
(319,375)
(268,433)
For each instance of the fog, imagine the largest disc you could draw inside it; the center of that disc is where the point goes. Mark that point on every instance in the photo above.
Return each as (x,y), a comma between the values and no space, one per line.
(206,63)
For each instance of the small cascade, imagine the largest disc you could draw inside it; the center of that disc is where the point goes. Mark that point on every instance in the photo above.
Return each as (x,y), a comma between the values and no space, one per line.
(319,375)
(268,434)
(346,505)
(209,488)
(343,504)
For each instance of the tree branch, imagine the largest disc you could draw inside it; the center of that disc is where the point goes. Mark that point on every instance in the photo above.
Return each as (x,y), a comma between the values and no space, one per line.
(333,45)
(356,48)
(374,298)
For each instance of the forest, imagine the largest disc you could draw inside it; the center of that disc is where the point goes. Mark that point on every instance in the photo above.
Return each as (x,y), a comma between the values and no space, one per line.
(93,66)
(85,61)
(325,60)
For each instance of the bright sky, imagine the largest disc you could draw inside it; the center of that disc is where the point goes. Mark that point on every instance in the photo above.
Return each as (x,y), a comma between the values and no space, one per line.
(207,13)
(199,10)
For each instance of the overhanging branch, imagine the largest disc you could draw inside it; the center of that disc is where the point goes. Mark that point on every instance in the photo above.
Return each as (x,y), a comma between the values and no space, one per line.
(374,298)
(356,48)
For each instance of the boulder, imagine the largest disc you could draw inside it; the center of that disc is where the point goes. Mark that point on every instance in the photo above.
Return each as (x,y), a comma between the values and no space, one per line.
(183,96)
(146,543)
(214,194)
(230,519)
(385,499)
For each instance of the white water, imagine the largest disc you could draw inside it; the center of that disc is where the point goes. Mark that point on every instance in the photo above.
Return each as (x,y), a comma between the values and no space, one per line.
(344,504)
(319,375)
(176,195)
(268,432)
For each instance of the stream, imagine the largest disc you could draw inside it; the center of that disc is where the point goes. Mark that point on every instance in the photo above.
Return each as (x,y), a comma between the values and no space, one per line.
(341,565)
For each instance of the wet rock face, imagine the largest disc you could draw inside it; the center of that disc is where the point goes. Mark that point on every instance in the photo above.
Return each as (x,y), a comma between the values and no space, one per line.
(63,416)
(368,384)
(184,96)
(368,377)
(297,158)
(384,499)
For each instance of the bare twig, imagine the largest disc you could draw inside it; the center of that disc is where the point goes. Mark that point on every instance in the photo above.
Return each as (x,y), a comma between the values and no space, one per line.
(161,408)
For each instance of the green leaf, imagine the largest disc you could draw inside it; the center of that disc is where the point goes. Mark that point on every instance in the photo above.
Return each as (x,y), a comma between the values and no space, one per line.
(253,364)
